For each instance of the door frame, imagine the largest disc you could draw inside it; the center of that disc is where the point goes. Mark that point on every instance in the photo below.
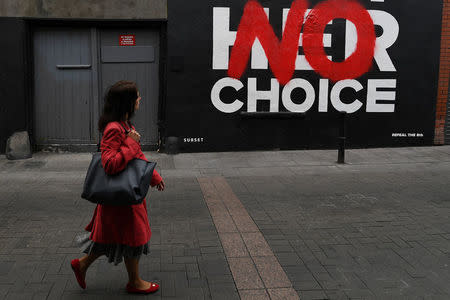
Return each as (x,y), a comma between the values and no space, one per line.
(95,25)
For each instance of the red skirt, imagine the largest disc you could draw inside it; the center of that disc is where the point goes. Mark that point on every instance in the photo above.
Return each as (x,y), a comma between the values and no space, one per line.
(126,225)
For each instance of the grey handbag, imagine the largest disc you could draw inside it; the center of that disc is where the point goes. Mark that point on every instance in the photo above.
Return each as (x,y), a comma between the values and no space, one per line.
(127,187)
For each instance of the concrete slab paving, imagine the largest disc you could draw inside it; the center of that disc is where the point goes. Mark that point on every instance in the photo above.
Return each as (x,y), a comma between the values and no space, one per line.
(374,228)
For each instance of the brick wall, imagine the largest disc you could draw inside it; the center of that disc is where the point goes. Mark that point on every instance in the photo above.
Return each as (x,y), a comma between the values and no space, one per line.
(444,72)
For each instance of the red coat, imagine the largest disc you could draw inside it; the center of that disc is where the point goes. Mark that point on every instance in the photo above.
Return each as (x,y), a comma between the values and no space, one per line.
(126,225)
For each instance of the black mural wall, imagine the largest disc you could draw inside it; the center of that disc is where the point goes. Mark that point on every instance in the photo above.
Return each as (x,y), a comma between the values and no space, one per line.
(13,75)
(406,71)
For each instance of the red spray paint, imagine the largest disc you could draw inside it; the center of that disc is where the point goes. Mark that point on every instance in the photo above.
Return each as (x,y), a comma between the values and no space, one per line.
(360,61)
(254,24)
(282,55)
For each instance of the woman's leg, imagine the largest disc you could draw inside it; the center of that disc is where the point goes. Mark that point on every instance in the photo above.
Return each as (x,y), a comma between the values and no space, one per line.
(132,265)
(86,261)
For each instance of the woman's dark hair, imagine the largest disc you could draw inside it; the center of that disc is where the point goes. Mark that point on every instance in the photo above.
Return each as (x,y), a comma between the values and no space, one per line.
(119,100)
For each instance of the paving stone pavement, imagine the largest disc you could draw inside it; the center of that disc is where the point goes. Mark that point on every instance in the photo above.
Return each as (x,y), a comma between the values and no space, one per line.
(375,228)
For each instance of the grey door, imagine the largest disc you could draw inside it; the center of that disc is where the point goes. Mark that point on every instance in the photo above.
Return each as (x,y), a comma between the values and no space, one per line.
(63,90)
(137,61)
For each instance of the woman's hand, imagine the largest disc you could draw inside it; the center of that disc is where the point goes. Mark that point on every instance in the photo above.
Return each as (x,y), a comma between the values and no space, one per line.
(161,186)
(134,135)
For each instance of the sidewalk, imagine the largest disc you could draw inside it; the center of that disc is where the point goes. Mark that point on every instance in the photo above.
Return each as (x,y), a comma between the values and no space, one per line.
(255,225)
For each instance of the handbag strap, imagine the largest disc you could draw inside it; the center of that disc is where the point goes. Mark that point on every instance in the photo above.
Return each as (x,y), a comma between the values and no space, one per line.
(101,134)
(126,130)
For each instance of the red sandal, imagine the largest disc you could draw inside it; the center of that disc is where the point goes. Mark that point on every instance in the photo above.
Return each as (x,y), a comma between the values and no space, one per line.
(75,264)
(153,288)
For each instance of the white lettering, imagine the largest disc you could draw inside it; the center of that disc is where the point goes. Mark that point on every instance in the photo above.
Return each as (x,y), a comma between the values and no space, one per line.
(309,99)
(273,95)
(390,34)
(323,95)
(373,95)
(223,38)
(336,96)
(320,92)
(215,95)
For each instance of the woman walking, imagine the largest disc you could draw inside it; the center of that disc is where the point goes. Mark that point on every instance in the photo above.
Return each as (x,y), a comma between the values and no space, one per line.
(119,231)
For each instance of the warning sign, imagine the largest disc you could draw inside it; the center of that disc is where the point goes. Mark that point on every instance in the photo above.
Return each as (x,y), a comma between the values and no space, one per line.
(127,40)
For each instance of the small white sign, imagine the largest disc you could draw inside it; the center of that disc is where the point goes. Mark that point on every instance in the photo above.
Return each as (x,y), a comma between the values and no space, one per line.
(193,140)
(410,134)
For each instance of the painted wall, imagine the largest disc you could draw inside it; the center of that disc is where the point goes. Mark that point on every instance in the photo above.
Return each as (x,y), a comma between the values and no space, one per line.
(379,62)
(92,9)
(14,92)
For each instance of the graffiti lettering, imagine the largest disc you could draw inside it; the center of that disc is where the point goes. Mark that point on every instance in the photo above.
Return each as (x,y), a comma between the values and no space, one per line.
(254,24)
(356,64)
(282,56)
(223,38)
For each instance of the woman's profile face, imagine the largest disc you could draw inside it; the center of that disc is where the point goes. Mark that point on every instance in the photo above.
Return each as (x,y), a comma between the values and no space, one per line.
(138,100)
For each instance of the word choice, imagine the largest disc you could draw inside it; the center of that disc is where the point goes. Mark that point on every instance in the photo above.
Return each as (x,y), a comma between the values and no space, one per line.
(380,96)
